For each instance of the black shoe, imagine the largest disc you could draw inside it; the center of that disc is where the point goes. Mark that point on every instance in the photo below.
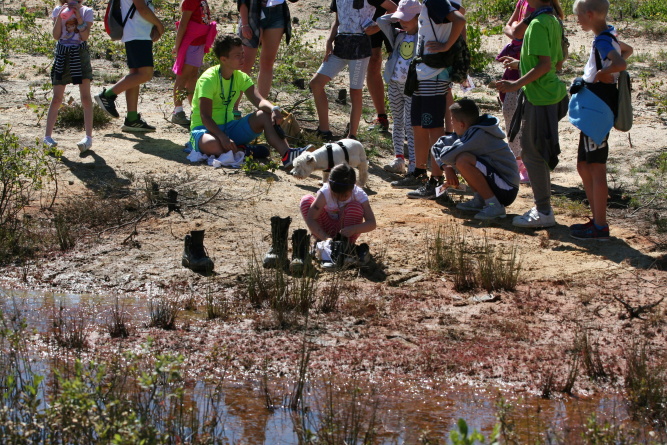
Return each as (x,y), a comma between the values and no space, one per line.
(341,251)
(426,191)
(277,255)
(300,251)
(107,104)
(137,126)
(194,253)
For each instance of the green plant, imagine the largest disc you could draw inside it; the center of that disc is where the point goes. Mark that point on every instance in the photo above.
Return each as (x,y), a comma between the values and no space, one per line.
(251,165)
(163,313)
(459,435)
(70,327)
(117,320)
(479,59)
(216,306)
(71,116)
(497,268)
(646,384)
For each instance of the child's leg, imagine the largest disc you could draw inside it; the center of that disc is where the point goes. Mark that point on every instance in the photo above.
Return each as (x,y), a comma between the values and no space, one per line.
(183,85)
(466,163)
(397,105)
(592,167)
(433,135)
(317,85)
(353,214)
(374,81)
(600,193)
(270,43)
(131,84)
(261,122)
(356,100)
(407,104)
(249,56)
(536,135)
(449,101)
(87,105)
(330,226)
(56,102)
(357,70)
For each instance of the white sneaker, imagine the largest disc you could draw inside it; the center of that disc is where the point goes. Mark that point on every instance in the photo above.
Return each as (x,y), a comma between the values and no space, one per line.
(491,211)
(398,166)
(85,144)
(49,142)
(534,219)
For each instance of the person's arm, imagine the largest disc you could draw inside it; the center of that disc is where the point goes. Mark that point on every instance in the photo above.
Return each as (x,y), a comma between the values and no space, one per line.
(368,225)
(313,215)
(389,5)
(332,35)
(384,22)
(458,25)
(147,14)
(626,50)
(618,64)
(206,114)
(263,104)
(182,27)
(57,28)
(511,25)
(543,66)
(246,30)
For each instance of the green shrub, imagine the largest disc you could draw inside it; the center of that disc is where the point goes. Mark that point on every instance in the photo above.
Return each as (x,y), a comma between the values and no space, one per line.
(71,116)
(479,59)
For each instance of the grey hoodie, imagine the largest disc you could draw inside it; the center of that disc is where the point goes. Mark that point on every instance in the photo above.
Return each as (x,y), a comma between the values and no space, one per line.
(486,141)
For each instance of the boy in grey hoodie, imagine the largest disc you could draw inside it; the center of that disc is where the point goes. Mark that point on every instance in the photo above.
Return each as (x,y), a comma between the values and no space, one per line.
(482,157)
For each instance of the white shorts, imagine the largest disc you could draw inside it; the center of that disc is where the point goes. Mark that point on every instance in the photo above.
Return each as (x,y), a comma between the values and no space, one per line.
(357,68)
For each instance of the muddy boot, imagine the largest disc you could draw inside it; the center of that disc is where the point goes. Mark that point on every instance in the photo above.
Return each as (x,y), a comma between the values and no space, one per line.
(341,249)
(278,252)
(194,253)
(300,255)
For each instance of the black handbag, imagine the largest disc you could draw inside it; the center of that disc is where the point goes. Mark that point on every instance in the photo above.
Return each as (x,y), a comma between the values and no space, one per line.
(352,46)
(411,81)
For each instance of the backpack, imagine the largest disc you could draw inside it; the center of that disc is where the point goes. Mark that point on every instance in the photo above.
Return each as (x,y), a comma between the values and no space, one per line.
(624,115)
(114,21)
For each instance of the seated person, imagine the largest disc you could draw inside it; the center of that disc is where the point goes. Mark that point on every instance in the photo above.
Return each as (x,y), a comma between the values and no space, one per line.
(482,157)
(339,207)
(213,130)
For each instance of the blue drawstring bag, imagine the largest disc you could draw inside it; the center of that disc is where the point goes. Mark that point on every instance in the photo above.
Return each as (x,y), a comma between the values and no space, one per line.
(590,114)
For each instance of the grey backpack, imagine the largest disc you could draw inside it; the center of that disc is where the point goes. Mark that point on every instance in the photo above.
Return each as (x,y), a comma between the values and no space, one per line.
(624,116)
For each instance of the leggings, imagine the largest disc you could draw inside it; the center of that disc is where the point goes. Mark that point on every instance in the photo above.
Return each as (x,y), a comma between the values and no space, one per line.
(350,215)
(400,112)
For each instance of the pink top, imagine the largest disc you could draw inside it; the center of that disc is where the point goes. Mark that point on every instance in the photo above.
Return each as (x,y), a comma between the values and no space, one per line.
(192,32)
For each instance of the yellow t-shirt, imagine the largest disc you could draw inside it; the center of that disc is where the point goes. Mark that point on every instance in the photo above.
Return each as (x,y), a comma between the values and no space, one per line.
(223,92)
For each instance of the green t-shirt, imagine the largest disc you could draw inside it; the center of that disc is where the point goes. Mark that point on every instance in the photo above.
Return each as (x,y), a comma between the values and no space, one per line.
(223,92)
(543,38)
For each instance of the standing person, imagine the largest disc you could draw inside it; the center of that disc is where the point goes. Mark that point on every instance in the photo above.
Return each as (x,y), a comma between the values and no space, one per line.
(71,29)
(514,29)
(263,22)
(348,45)
(195,35)
(440,26)
(545,104)
(141,30)
(404,48)
(374,81)
(607,59)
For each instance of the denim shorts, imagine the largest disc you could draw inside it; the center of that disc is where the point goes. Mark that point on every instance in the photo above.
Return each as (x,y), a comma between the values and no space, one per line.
(194,55)
(272,17)
(238,131)
(357,68)
(139,53)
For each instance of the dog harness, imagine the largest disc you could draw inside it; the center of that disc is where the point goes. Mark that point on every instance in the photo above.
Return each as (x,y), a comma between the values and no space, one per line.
(329,148)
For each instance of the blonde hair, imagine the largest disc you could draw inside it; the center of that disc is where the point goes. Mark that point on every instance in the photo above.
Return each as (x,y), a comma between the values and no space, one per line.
(598,6)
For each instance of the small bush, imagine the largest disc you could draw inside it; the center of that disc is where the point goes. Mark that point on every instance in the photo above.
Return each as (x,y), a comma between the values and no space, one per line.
(498,269)
(646,384)
(71,116)
(117,320)
(70,328)
(163,313)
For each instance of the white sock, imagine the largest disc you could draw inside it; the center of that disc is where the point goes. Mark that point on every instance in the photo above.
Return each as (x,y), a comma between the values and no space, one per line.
(178,109)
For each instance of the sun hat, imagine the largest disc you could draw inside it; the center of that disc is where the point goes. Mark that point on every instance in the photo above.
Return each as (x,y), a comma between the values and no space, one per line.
(407,9)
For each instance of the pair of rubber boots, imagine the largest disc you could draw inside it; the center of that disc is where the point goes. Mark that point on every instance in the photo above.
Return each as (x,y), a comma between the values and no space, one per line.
(194,253)
(277,255)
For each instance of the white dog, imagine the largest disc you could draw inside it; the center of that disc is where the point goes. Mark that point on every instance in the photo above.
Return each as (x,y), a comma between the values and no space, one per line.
(349,151)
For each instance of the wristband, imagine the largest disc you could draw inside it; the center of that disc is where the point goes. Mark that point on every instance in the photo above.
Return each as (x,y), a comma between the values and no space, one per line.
(82,27)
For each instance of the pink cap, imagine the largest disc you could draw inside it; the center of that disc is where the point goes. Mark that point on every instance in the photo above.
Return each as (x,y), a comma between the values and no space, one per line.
(407,10)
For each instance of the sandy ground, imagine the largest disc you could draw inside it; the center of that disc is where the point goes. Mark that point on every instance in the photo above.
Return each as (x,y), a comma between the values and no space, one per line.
(401,319)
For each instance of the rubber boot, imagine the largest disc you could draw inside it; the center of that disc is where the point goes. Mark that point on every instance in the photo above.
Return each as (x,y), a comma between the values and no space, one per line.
(278,252)
(300,255)
(341,249)
(194,253)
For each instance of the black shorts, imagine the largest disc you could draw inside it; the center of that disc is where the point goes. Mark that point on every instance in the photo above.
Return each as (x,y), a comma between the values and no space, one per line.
(590,152)
(505,192)
(139,53)
(378,38)
(429,103)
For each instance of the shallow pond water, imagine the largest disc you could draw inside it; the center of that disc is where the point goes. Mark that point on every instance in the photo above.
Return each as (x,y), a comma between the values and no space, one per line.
(401,412)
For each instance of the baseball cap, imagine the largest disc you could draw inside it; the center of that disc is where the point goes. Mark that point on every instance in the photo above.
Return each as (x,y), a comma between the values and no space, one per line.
(407,9)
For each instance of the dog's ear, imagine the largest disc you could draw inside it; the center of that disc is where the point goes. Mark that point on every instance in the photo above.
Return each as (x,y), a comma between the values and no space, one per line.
(310,159)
